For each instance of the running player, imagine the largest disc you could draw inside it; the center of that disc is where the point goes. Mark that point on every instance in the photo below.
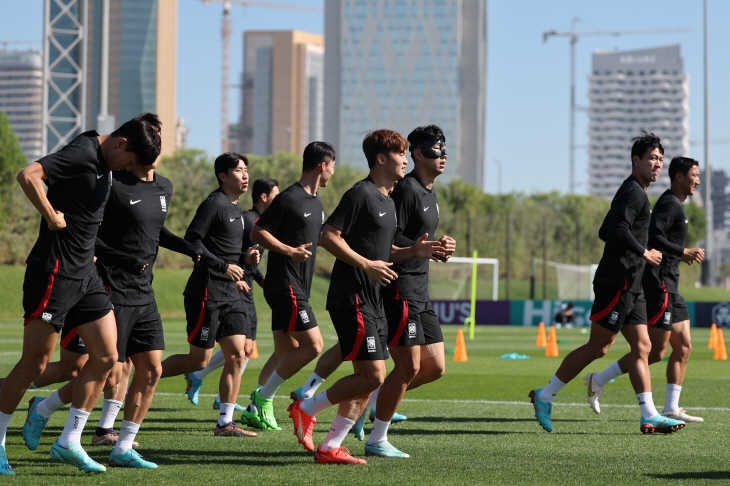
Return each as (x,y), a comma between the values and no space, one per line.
(61,280)
(415,341)
(263,193)
(213,306)
(619,304)
(360,235)
(669,318)
(290,230)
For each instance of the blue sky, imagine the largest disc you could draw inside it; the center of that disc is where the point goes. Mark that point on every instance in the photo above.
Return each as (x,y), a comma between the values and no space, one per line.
(528,80)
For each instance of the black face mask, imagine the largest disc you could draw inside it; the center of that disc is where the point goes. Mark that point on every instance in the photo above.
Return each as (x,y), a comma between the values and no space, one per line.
(430,153)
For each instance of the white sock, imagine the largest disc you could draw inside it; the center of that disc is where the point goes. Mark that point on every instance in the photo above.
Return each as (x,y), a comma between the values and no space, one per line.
(550,391)
(4,421)
(373,400)
(271,386)
(32,386)
(49,405)
(671,404)
(226,414)
(109,411)
(602,378)
(312,406)
(75,424)
(127,433)
(646,403)
(310,387)
(216,361)
(379,432)
(340,427)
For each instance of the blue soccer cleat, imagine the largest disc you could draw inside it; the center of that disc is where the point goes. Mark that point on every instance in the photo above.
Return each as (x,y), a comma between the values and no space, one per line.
(543,410)
(383,449)
(130,458)
(217,406)
(397,417)
(5,468)
(661,424)
(75,456)
(358,428)
(297,394)
(34,425)
(193,387)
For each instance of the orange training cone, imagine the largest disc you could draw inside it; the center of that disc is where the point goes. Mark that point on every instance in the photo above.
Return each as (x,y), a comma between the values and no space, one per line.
(552,344)
(255,352)
(541,341)
(720,350)
(713,336)
(460,351)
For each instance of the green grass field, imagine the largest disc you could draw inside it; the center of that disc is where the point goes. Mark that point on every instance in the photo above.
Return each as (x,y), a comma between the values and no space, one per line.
(474,426)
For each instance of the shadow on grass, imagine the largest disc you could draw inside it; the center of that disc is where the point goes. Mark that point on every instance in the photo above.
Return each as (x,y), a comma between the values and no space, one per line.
(467,419)
(249,458)
(692,475)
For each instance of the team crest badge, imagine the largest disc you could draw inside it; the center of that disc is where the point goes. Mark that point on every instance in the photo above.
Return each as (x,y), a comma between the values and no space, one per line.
(411,330)
(371,344)
(614,318)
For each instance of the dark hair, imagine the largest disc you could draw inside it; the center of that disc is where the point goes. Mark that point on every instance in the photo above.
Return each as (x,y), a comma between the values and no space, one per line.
(681,165)
(226,161)
(315,153)
(143,137)
(262,186)
(427,133)
(645,143)
(382,141)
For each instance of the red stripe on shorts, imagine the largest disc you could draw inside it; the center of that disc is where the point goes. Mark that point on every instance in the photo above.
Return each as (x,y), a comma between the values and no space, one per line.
(600,315)
(293,318)
(360,332)
(199,324)
(654,319)
(46,296)
(67,340)
(401,324)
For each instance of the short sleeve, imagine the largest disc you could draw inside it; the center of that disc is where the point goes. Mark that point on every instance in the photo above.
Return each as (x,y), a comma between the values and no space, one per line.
(71,161)
(346,213)
(271,218)
(204,217)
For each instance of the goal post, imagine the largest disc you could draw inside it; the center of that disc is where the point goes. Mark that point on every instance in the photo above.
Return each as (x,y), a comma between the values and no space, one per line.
(574,282)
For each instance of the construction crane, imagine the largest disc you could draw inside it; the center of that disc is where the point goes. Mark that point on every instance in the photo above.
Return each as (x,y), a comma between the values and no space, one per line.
(574,36)
(226,37)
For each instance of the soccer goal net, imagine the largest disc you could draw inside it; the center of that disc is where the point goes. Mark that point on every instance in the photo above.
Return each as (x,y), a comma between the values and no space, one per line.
(453,280)
(574,282)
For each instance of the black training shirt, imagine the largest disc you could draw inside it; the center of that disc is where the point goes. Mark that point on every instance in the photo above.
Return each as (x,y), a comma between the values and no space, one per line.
(418,213)
(78,185)
(295,218)
(250,272)
(218,224)
(367,220)
(668,234)
(625,230)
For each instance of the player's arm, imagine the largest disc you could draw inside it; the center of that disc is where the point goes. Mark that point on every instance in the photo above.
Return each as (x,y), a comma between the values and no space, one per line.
(662,220)
(448,247)
(198,228)
(420,249)
(262,237)
(331,240)
(112,257)
(625,218)
(259,277)
(172,242)
(31,181)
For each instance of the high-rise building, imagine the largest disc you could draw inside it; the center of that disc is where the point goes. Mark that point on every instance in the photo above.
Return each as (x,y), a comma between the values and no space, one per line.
(399,64)
(142,65)
(631,91)
(283,90)
(21,92)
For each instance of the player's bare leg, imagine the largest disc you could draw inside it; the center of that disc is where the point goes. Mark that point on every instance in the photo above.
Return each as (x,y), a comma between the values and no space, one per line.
(432,366)
(63,370)
(327,364)
(179,364)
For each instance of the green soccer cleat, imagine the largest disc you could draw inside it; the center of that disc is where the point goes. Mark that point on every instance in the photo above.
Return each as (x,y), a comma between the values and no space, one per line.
(252,419)
(5,468)
(358,429)
(661,424)
(397,417)
(297,394)
(193,387)
(383,449)
(217,406)
(543,410)
(265,408)
(130,458)
(34,425)
(75,456)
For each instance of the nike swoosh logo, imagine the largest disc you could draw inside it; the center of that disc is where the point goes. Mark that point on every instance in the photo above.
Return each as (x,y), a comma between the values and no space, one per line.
(426,208)
(590,388)
(382,214)
(307,214)
(134,202)
(233,219)
(99,176)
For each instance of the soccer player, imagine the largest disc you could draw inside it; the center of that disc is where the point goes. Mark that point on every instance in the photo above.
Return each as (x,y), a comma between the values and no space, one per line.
(619,304)
(290,230)
(415,341)
(668,315)
(359,233)
(213,306)
(61,280)
(263,193)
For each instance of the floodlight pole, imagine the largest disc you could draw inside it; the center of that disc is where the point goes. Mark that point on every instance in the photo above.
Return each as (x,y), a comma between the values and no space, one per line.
(709,217)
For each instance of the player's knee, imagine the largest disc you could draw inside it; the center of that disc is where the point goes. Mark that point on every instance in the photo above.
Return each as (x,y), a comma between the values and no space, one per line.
(33,365)
(150,375)
(70,374)
(316,348)
(657,355)
(375,380)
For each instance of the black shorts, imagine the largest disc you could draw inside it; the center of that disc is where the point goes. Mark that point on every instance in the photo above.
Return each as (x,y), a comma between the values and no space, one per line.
(139,329)
(411,323)
(362,337)
(615,307)
(290,314)
(210,320)
(71,341)
(253,321)
(665,309)
(56,299)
